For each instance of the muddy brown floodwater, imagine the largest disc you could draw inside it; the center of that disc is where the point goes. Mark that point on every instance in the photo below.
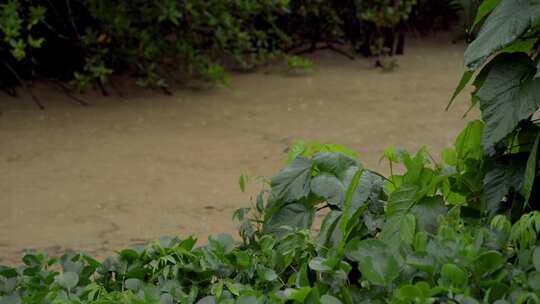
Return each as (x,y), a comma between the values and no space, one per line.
(133,168)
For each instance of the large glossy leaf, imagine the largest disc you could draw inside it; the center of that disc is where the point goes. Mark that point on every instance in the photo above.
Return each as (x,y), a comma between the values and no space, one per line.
(508,95)
(292,183)
(506,23)
(375,261)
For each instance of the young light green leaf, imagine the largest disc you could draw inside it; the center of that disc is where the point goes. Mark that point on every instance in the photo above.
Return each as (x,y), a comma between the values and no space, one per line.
(242,182)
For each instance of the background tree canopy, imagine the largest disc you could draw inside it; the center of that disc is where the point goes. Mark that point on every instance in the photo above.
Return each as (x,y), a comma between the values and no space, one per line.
(86,41)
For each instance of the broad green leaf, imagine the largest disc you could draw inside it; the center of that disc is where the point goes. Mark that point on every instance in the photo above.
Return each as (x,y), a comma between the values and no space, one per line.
(536,258)
(133,284)
(530,171)
(428,212)
(508,95)
(506,23)
(320,264)
(329,187)
(449,156)
(407,229)
(488,262)
(68,280)
(452,275)
(328,299)
(498,181)
(399,204)
(292,183)
(296,215)
(401,200)
(335,163)
(375,261)
(465,78)
(485,8)
(269,274)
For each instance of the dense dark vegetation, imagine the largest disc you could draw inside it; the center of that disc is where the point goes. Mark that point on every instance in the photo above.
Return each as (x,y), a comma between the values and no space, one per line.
(84,42)
(462,230)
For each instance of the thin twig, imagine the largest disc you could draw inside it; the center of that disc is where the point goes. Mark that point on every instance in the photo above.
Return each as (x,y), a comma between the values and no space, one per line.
(23,84)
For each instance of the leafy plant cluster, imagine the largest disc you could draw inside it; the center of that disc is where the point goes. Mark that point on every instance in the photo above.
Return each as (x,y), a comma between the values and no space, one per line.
(464,229)
(88,41)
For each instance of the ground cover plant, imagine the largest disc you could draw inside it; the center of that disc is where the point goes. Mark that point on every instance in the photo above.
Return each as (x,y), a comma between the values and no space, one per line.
(460,230)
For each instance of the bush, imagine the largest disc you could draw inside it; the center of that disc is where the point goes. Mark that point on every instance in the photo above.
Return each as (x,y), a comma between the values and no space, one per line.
(463,230)
(86,41)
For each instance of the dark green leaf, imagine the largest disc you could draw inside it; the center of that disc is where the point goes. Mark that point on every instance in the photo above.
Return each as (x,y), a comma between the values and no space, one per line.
(295,215)
(485,9)
(375,261)
(507,96)
(292,183)
(536,258)
(489,262)
(452,275)
(508,21)
(328,187)
(530,171)
(465,78)
(428,212)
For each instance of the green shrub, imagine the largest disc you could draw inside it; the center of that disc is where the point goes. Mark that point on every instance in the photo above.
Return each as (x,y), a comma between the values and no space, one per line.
(87,41)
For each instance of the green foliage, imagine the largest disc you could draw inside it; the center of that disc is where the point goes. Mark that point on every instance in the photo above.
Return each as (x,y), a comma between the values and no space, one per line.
(463,230)
(160,41)
(296,63)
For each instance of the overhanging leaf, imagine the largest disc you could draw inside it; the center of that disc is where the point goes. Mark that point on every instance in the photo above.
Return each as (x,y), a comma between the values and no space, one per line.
(506,23)
(508,95)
